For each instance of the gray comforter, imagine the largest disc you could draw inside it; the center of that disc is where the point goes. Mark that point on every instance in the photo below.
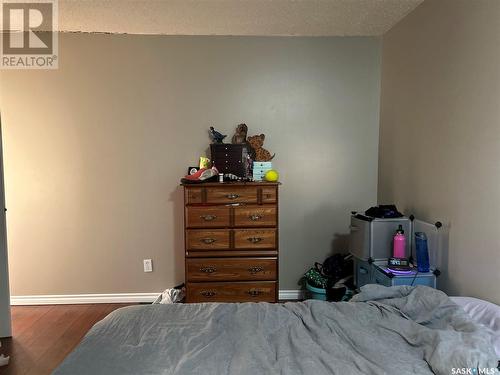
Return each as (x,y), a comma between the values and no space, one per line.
(398,330)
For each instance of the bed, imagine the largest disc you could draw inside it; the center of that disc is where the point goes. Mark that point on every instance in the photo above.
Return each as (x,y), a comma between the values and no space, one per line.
(397,330)
(484,313)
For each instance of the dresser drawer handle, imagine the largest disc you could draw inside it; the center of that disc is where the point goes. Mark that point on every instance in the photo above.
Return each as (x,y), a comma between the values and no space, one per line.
(208,217)
(255,239)
(208,293)
(208,269)
(255,217)
(208,241)
(255,292)
(253,270)
(232,196)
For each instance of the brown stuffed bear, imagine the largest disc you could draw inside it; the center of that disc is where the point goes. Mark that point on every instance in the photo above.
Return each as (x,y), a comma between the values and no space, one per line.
(261,154)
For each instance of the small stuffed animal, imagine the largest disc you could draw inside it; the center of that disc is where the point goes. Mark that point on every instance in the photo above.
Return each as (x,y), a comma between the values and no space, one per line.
(241,134)
(261,154)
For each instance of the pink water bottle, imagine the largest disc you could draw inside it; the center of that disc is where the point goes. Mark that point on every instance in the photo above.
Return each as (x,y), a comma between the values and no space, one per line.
(399,243)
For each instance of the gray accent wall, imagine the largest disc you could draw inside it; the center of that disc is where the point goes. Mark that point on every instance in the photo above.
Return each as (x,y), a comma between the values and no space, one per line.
(94,150)
(440,133)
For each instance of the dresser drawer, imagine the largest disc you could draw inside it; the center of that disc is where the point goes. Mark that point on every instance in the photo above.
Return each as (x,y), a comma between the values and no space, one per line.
(207,217)
(269,194)
(232,194)
(232,292)
(254,239)
(193,195)
(228,269)
(255,216)
(197,239)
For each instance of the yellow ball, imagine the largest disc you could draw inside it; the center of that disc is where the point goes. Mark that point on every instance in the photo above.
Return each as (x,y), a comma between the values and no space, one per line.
(271,176)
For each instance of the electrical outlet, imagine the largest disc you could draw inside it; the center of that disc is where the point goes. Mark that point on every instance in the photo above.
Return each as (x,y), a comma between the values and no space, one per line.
(148,265)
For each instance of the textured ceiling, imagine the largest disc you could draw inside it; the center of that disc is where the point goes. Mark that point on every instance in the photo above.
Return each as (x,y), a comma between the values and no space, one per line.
(234,17)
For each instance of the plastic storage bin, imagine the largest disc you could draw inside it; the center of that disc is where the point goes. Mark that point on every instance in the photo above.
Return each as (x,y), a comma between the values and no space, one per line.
(377,273)
(383,276)
(362,272)
(371,238)
(369,271)
(260,168)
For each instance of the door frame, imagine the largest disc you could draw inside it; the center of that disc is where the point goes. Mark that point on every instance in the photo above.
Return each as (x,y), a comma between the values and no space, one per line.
(5,313)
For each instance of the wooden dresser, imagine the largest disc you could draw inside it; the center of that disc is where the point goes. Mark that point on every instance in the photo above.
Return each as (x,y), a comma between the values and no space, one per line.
(231,242)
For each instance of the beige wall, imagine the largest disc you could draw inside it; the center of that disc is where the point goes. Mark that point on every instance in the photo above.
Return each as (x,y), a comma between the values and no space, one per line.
(440,132)
(94,151)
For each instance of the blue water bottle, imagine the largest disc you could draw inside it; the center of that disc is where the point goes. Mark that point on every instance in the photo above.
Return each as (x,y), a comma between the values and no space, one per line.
(422,252)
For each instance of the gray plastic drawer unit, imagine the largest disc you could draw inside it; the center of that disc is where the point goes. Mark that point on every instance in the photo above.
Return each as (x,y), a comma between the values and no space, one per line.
(371,238)
(377,273)
(362,273)
(383,276)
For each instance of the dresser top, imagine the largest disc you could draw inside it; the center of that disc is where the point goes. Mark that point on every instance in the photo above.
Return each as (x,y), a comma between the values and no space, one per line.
(212,184)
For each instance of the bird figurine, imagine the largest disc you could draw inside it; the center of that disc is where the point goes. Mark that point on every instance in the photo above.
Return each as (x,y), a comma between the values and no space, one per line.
(216,136)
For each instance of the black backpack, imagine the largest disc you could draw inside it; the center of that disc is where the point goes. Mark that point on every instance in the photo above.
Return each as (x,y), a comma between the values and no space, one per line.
(336,267)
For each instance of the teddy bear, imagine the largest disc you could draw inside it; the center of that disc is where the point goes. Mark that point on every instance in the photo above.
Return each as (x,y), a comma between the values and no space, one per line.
(261,154)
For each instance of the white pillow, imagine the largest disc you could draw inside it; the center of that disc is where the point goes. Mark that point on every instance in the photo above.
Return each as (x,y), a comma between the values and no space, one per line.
(482,312)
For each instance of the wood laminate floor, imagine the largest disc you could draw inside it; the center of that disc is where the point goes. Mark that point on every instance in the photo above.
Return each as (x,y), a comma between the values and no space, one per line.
(44,335)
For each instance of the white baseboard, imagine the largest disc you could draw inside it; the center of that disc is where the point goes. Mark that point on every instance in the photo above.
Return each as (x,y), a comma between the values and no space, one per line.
(291,294)
(70,299)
